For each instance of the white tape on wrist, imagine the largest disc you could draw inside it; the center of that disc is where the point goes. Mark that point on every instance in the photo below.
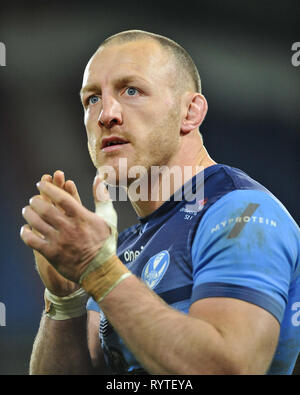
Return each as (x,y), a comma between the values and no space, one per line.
(105,271)
(66,307)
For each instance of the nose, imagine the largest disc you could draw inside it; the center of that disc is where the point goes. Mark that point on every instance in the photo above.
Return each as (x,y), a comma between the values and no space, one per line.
(110,114)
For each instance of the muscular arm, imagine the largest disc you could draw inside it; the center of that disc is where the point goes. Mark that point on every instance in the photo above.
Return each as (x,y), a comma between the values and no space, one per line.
(94,344)
(219,336)
(69,346)
(62,347)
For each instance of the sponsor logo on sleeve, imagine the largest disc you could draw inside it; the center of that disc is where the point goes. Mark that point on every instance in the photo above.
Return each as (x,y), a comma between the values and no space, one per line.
(240,222)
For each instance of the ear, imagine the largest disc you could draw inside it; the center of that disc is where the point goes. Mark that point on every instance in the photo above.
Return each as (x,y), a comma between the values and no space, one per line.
(195,112)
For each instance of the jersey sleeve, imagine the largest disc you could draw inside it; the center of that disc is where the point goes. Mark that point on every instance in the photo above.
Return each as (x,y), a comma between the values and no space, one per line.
(92,305)
(245,247)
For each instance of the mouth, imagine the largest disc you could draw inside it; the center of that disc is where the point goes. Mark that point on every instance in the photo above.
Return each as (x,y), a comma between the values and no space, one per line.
(113,143)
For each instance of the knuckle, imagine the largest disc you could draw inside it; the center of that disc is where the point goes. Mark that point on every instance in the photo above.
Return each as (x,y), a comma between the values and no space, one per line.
(61,201)
(64,201)
(61,221)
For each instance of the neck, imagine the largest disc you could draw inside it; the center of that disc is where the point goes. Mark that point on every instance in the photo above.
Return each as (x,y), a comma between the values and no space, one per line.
(160,186)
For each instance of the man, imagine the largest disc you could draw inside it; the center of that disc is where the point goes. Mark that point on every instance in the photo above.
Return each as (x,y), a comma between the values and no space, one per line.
(214,289)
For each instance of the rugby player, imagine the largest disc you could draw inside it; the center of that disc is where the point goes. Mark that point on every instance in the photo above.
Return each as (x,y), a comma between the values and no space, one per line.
(213,289)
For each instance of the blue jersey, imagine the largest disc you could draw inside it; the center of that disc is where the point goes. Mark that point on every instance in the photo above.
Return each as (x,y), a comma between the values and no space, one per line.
(241,243)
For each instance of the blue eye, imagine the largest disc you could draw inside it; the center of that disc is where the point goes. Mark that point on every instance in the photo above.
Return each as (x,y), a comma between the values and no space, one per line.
(131,91)
(93,99)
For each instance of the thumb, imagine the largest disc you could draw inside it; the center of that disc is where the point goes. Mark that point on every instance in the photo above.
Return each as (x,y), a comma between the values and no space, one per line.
(103,203)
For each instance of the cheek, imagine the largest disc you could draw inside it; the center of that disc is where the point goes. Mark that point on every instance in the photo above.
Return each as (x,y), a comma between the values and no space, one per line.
(91,127)
(91,116)
(92,141)
(87,118)
(92,153)
(91,136)
(168,102)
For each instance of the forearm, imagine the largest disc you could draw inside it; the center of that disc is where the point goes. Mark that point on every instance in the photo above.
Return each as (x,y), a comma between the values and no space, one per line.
(164,340)
(61,347)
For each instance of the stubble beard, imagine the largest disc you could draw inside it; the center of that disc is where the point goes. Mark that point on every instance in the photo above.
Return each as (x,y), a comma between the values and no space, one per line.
(158,148)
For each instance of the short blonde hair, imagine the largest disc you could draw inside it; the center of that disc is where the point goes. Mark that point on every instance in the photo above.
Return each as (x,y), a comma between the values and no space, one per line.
(185,65)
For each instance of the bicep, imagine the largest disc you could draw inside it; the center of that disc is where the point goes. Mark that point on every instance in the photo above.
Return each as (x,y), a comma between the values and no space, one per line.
(250,333)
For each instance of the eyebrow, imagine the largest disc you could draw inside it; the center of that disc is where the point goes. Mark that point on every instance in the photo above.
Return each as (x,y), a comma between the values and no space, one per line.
(88,88)
(119,81)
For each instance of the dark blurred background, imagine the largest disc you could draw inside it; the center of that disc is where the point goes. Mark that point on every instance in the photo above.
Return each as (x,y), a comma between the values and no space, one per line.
(243,52)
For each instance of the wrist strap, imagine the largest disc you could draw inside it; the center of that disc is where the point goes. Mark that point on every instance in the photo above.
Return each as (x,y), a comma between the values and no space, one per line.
(66,307)
(105,278)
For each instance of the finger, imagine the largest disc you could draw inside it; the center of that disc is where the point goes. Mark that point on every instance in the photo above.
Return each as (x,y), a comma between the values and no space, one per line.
(47,178)
(59,178)
(60,197)
(31,239)
(47,212)
(71,188)
(35,221)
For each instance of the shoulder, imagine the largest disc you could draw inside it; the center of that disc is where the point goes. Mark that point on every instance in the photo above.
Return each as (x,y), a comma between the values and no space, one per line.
(230,179)
(250,206)
(247,214)
(235,193)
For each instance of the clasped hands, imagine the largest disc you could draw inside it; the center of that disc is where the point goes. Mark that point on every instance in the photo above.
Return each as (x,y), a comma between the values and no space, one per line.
(67,234)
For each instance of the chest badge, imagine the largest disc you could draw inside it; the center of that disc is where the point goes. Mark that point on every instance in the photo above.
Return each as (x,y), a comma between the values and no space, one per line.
(155,269)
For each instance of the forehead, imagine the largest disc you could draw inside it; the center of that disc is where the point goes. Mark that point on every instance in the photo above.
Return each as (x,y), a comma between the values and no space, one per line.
(145,58)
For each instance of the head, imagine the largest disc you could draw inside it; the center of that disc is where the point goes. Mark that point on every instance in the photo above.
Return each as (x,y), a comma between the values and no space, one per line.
(142,90)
